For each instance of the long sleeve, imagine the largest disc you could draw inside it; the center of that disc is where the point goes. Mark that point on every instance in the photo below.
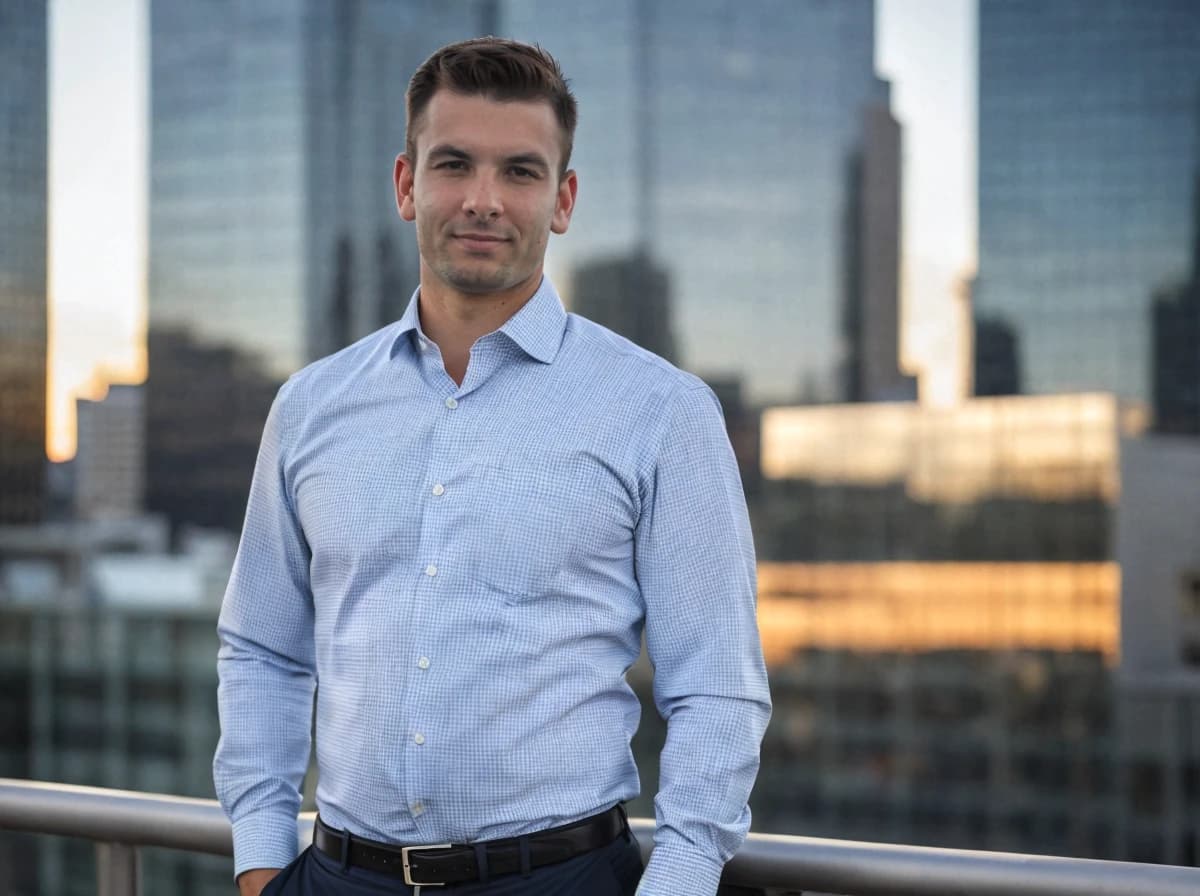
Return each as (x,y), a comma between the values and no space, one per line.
(266,667)
(696,570)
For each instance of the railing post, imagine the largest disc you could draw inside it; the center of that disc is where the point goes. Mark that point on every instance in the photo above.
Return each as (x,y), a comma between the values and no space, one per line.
(117,870)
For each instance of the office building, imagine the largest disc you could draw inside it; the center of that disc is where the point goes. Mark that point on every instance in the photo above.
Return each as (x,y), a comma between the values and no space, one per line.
(23,233)
(116,697)
(1176,335)
(1176,345)
(871,286)
(982,626)
(110,455)
(631,296)
(273,233)
(1089,145)
(204,419)
(716,138)
(997,369)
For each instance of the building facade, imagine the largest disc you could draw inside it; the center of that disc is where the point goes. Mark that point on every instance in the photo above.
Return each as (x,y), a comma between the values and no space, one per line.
(109,697)
(717,139)
(109,473)
(982,624)
(1089,147)
(274,238)
(631,296)
(23,237)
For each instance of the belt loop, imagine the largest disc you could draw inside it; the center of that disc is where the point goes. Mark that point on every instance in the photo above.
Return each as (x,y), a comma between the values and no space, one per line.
(626,831)
(523,844)
(481,862)
(345,838)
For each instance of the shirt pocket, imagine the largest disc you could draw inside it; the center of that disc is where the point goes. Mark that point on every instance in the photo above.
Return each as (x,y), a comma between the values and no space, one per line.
(527,533)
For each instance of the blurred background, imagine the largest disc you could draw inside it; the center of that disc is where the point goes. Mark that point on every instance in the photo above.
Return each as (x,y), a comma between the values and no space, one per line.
(939,259)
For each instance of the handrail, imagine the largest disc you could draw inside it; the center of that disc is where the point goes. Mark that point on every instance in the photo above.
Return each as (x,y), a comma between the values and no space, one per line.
(765,860)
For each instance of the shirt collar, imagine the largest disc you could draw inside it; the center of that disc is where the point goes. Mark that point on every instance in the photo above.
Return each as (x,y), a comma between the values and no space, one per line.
(537,328)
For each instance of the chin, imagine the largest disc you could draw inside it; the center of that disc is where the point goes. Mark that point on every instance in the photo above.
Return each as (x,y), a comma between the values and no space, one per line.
(479,282)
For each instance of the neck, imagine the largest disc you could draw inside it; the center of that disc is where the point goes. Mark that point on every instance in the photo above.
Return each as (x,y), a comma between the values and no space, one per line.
(454,320)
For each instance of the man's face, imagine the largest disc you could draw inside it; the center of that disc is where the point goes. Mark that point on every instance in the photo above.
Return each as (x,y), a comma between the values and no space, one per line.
(485,192)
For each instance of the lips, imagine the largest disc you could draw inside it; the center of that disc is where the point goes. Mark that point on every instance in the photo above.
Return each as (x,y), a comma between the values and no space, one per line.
(482,237)
(479,242)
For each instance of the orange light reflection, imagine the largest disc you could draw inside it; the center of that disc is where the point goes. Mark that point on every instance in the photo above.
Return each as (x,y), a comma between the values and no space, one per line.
(911,607)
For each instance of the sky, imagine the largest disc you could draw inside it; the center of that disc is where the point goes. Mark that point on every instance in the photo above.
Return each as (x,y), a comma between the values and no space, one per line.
(97,205)
(98,151)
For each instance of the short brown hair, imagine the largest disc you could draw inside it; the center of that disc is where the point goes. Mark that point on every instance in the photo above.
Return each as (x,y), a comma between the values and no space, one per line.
(499,69)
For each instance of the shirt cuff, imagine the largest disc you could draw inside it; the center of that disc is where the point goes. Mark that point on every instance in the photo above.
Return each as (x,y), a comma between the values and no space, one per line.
(264,839)
(673,870)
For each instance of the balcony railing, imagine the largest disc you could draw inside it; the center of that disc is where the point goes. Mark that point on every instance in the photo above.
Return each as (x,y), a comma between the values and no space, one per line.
(120,822)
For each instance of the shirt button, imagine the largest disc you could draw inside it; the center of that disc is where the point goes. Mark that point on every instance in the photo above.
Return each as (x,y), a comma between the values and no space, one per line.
(451,403)
(431,570)
(423,663)
(439,489)
(422,344)
(418,738)
(418,808)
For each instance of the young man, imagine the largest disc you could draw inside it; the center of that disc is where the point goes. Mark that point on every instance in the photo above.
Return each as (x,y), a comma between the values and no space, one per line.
(460,527)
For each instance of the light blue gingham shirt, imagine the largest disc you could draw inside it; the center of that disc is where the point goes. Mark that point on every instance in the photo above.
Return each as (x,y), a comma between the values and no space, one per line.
(466,572)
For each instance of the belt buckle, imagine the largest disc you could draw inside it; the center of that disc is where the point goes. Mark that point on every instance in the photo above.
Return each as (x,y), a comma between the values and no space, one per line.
(416,884)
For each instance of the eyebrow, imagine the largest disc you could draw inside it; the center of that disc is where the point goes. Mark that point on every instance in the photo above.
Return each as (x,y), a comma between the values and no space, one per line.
(529,159)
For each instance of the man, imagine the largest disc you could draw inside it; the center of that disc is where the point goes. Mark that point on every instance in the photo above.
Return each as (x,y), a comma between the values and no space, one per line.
(460,527)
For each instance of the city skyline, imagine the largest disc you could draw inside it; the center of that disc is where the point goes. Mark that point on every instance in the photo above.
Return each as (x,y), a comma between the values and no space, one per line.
(980,610)
(98,324)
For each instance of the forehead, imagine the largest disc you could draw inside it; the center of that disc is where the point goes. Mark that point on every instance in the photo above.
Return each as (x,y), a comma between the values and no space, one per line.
(479,124)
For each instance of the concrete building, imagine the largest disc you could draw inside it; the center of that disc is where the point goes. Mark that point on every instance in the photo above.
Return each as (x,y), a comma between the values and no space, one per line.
(109,461)
(23,236)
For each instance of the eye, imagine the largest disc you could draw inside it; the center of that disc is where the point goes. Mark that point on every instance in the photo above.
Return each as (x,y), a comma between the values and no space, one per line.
(523,173)
(451,165)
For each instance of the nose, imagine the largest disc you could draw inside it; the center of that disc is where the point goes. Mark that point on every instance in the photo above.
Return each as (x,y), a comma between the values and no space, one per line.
(482,199)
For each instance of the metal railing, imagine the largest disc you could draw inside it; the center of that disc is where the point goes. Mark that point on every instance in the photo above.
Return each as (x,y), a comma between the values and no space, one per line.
(120,822)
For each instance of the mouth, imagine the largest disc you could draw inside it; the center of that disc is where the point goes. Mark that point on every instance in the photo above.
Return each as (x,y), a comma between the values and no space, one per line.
(479,241)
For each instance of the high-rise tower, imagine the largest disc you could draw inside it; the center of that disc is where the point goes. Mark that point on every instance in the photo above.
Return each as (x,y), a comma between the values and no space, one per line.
(1088,146)
(274,238)
(714,138)
(23,197)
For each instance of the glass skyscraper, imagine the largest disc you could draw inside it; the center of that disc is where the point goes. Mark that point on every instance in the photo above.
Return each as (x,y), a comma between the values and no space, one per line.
(274,238)
(1089,152)
(23,198)
(719,139)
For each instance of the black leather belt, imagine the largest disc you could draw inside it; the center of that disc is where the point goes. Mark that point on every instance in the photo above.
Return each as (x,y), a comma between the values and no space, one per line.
(432,866)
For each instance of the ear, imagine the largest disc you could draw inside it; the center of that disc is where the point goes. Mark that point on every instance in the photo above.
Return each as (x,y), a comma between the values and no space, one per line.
(402,177)
(564,203)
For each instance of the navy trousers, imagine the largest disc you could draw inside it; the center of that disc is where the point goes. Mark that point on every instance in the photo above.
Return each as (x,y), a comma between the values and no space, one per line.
(612,870)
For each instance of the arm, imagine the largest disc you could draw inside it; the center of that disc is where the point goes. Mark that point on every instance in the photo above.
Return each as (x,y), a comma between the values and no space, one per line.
(266,668)
(695,566)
